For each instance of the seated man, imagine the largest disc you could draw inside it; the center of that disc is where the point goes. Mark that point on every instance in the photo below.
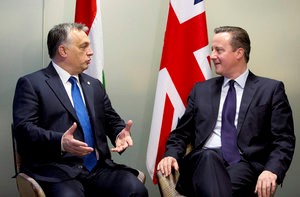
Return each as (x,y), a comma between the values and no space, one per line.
(61,118)
(240,125)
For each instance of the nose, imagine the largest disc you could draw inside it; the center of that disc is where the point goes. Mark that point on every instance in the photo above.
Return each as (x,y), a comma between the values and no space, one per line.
(213,55)
(90,52)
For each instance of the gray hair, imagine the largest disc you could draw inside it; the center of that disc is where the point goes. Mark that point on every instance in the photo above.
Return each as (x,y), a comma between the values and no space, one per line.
(59,35)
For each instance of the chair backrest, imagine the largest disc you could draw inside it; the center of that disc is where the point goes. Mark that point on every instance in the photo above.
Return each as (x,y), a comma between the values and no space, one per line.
(27,186)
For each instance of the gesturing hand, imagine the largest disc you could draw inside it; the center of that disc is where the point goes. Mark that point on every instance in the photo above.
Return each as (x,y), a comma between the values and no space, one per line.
(71,145)
(123,139)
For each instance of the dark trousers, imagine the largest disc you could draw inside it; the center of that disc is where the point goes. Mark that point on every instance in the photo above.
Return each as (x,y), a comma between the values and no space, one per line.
(204,173)
(104,181)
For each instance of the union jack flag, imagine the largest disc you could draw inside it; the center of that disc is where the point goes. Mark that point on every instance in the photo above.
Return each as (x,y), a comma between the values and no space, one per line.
(185,61)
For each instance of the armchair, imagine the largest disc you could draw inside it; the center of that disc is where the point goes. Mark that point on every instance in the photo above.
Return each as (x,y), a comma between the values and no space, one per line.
(27,186)
(167,185)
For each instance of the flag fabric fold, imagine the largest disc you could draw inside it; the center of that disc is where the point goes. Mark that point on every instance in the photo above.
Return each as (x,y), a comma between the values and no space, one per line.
(88,12)
(185,61)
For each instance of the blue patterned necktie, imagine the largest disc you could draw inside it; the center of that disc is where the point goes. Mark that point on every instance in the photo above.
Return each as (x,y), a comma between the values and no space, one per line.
(90,160)
(228,130)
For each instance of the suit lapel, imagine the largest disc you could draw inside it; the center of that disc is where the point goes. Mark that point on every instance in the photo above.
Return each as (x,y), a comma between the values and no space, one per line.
(58,89)
(250,88)
(216,95)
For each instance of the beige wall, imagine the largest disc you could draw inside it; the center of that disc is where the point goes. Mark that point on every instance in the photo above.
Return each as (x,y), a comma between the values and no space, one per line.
(133,39)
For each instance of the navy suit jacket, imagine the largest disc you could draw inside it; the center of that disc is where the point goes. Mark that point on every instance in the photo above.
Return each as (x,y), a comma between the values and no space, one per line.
(42,112)
(265,123)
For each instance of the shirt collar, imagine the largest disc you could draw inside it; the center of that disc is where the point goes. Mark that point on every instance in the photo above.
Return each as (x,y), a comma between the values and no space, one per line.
(63,74)
(241,80)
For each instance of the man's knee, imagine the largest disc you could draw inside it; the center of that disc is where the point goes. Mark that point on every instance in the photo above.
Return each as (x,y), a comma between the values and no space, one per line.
(206,155)
(63,189)
(135,188)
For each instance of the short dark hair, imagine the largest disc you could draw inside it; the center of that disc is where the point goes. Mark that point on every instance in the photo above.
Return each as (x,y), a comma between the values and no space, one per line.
(239,39)
(59,34)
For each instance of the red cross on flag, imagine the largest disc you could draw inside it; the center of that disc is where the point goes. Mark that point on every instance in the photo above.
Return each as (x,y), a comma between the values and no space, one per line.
(185,61)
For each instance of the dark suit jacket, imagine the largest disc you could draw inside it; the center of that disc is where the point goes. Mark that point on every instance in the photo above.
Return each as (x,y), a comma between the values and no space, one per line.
(42,112)
(265,124)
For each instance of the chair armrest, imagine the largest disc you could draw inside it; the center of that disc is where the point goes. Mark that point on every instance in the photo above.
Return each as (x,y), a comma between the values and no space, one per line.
(141,176)
(28,187)
(167,184)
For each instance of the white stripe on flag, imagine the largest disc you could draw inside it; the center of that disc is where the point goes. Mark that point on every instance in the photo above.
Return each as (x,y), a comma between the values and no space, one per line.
(96,36)
(88,12)
(165,87)
(185,61)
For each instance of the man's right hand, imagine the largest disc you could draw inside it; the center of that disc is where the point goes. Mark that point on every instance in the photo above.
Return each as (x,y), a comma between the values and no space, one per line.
(166,165)
(73,146)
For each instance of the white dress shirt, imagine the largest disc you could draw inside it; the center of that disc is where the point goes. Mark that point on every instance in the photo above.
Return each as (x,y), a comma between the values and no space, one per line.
(64,76)
(214,141)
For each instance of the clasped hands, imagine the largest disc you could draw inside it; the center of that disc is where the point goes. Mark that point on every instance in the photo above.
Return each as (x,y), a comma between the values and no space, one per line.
(79,148)
(265,187)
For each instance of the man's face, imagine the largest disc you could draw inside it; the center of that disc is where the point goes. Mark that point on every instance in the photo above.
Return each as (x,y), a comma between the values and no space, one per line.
(78,51)
(223,56)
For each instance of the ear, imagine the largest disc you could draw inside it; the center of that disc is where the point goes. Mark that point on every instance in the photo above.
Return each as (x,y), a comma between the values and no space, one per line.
(240,53)
(62,51)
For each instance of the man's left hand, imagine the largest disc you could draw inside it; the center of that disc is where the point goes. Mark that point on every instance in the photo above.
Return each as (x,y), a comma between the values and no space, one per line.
(123,139)
(266,184)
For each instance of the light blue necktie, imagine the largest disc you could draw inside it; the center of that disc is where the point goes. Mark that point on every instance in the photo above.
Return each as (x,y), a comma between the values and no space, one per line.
(90,160)
(228,130)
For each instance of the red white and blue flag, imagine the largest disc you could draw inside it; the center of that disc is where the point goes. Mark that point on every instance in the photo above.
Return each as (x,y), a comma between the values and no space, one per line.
(88,12)
(185,61)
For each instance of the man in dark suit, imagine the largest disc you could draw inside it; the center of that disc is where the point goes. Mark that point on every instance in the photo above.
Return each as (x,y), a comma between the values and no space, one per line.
(262,140)
(67,154)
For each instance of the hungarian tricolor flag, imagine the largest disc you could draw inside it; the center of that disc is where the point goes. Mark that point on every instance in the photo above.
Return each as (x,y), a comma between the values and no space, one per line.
(185,61)
(88,12)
